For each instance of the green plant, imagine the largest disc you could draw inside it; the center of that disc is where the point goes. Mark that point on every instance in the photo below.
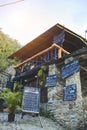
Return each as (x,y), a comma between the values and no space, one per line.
(46,114)
(1,100)
(42,74)
(18,86)
(12,99)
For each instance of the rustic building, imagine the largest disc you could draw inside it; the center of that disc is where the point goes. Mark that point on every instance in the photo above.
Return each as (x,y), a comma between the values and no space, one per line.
(63,51)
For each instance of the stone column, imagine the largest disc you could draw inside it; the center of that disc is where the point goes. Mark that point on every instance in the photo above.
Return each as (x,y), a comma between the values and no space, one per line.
(76,112)
(76,107)
(55,97)
(69,114)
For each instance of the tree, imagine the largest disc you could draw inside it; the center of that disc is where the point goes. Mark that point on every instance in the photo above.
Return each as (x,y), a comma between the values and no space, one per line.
(7,47)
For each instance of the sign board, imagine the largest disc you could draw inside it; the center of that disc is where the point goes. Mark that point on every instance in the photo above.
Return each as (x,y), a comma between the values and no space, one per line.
(51,80)
(59,39)
(70,68)
(70,92)
(31,100)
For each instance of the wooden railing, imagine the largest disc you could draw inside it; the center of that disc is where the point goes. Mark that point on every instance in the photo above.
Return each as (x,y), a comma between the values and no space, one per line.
(52,53)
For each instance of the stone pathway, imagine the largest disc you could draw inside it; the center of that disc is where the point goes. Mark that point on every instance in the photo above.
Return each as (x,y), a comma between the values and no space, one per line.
(27,123)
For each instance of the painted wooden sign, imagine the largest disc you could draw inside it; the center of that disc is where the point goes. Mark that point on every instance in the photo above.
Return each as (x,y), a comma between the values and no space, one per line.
(31,100)
(51,80)
(70,68)
(59,39)
(70,92)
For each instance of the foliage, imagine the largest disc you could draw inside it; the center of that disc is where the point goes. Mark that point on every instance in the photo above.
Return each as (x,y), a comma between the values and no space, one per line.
(7,47)
(42,74)
(46,114)
(13,99)
(1,101)
(18,86)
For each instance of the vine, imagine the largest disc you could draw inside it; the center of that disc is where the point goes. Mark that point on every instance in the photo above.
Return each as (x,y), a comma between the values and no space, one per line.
(42,74)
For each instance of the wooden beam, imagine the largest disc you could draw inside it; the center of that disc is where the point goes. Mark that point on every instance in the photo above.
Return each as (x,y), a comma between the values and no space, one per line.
(83,68)
(63,50)
(59,53)
(44,51)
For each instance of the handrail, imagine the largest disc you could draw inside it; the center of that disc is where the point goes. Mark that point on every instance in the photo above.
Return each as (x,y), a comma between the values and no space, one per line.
(44,51)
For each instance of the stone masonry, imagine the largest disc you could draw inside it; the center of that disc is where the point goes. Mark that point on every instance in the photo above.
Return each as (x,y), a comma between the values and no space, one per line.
(69,114)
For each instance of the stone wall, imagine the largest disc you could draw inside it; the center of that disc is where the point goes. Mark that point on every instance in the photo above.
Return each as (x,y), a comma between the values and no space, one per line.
(4,77)
(84,95)
(69,114)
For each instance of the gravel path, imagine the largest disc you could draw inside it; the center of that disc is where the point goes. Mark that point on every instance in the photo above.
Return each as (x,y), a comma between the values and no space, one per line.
(27,123)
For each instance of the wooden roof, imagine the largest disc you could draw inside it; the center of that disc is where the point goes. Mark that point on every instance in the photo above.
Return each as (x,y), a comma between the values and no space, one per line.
(72,42)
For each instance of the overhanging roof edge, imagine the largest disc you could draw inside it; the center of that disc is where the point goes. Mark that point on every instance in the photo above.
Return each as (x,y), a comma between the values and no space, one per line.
(72,33)
(56,25)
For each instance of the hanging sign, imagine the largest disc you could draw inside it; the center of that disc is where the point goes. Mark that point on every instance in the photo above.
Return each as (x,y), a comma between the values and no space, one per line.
(31,100)
(59,39)
(51,80)
(70,92)
(70,68)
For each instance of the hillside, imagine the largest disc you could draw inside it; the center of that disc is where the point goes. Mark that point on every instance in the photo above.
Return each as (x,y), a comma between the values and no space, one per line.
(7,47)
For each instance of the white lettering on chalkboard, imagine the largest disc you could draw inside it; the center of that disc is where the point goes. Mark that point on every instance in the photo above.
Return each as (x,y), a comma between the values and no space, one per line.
(31,99)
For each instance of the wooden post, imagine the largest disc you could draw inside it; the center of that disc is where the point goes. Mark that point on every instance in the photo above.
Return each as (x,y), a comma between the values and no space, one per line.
(59,53)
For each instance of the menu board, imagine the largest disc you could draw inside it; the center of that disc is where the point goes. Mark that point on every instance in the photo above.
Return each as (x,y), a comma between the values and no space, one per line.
(51,80)
(31,100)
(70,68)
(70,92)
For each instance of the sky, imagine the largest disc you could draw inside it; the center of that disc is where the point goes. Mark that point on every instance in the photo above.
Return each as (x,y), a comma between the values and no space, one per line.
(26,20)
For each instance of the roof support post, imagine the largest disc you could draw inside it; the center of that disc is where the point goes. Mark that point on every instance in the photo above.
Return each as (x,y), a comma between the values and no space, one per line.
(59,53)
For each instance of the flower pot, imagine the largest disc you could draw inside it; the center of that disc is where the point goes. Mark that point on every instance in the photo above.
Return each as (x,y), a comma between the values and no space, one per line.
(11,117)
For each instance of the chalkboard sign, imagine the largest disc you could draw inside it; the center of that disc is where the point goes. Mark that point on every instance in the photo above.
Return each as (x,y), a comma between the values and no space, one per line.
(70,68)
(70,92)
(51,80)
(31,100)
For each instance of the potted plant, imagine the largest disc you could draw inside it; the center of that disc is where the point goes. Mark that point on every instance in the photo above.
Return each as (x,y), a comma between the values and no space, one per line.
(13,101)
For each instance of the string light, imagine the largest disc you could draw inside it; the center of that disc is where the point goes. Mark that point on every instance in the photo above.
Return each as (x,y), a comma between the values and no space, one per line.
(11,3)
